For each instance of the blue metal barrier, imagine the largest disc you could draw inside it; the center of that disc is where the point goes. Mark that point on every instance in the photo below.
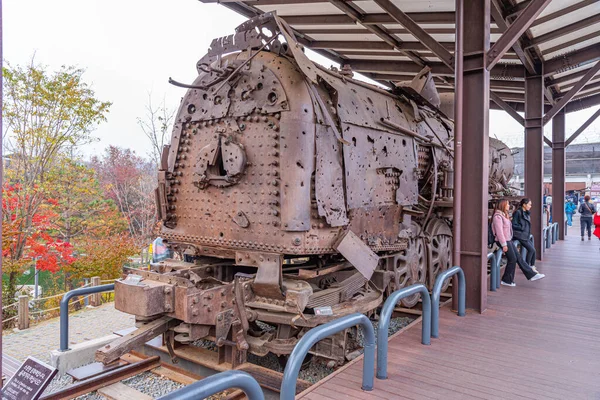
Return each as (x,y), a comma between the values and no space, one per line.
(290,374)
(437,291)
(494,271)
(64,310)
(386,315)
(555,232)
(217,383)
(547,234)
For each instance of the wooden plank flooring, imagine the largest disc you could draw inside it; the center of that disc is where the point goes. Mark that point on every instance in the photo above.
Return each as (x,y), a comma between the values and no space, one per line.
(539,340)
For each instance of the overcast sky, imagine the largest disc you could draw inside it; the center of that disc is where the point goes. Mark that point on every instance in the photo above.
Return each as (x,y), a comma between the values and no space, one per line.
(129,48)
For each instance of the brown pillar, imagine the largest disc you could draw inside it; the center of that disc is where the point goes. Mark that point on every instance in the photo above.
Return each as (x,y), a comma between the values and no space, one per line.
(475,153)
(558,172)
(534,152)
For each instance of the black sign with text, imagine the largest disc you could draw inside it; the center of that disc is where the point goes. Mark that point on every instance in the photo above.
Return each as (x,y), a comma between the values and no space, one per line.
(29,382)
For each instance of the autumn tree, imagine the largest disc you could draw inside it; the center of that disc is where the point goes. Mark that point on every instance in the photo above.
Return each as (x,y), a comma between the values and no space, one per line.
(156,125)
(44,114)
(129,180)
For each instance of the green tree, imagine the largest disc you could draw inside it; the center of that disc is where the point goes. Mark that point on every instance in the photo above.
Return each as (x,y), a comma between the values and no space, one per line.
(45,113)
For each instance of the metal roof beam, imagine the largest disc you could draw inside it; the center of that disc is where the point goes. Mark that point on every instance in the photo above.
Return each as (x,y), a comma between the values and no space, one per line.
(583,127)
(358,17)
(444,55)
(369,19)
(565,30)
(571,93)
(506,107)
(514,31)
(504,71)
(395,31)
(583,103)
(561,13)
(572,60)
(517,46)
(570,43)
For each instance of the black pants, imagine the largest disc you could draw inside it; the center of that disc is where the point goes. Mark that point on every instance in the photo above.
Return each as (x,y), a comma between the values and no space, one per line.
(530,257)
(513,258)
(586,222)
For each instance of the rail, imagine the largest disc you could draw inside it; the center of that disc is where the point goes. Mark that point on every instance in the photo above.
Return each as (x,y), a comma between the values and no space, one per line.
(64,310)
(494,271)
(436,293)
(217,383)
(290,374)
(384,323)
(555,232)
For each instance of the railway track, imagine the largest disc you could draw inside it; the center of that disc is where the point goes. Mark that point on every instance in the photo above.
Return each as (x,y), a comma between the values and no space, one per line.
(193,364)
(106,379)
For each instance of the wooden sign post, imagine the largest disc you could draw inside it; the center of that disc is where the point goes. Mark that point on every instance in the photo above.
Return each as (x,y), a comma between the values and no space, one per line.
(29,382)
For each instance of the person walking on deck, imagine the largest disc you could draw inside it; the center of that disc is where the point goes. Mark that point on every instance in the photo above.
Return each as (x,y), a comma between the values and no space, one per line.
(587,211)
(570,209)
(597,221)
(502,229)
(521,225)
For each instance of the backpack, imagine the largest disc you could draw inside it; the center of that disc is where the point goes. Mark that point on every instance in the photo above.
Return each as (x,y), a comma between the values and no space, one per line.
(491,236)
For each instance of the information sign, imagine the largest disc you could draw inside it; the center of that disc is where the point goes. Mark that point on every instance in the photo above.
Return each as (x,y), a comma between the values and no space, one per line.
(29,382)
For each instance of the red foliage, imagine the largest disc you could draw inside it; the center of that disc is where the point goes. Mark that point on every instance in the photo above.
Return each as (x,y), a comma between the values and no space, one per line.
(52,254)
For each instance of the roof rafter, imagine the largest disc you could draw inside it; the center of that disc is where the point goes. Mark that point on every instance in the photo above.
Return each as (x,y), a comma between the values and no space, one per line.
(583,127)
(565,30)
(443,54)
(525,58)
(572,60)
(514,31)
(359,18)
(571,93)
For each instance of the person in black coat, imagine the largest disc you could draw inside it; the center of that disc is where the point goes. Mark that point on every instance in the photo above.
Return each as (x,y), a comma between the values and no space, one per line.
(521,224)
(586,212)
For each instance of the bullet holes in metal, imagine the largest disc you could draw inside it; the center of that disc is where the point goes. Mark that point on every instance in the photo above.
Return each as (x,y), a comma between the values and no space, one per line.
(218,100)
(191,109)
(272,97)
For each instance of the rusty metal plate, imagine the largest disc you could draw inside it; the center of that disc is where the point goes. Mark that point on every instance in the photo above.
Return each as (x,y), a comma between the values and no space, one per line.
(359,254)
(146,299)
(329,178)
(380,168)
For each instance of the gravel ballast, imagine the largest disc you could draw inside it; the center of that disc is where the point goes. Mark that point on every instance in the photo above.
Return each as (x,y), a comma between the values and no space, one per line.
(156,386)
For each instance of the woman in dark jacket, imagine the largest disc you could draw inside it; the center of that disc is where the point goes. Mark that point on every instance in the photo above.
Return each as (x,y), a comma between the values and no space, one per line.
(521,224)
(586,212)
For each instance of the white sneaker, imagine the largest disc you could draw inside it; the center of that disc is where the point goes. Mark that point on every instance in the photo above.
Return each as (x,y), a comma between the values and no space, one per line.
(509,284)
(537,277)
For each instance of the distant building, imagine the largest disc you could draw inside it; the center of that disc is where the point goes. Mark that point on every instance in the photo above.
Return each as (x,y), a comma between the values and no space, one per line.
(583,168)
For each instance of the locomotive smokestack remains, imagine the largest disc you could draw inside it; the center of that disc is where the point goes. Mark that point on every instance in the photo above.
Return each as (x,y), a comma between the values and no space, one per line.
(292,195)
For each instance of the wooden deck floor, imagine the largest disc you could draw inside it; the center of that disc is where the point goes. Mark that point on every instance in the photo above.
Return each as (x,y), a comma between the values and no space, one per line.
(539,340)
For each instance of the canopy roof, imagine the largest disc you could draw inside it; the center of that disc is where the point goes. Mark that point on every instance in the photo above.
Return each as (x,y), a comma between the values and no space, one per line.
(368,35)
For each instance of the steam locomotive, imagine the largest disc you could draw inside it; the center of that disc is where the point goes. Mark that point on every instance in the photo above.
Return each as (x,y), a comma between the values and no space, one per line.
(294,195)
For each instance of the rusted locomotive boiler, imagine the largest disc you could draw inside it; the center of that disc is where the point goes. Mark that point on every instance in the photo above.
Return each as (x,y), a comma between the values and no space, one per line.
(294,195)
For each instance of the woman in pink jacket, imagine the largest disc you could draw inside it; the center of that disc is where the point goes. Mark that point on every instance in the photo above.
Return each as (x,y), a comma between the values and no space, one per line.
(502,228)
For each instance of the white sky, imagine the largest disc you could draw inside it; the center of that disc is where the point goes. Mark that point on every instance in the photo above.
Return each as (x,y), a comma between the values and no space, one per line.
(130,48)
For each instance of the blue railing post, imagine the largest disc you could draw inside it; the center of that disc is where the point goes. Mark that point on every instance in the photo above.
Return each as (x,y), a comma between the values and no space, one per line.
(290,374)
(494,273)
(547,235)
(217,383)
(437,291)
(386,316)
(64,310)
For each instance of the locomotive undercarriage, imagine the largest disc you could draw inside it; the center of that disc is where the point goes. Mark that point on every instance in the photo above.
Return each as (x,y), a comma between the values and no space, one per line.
(268,307)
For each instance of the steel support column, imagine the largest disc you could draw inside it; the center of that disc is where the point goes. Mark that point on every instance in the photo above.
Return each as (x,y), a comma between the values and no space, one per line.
(559,162)
(475,152)
(534,153)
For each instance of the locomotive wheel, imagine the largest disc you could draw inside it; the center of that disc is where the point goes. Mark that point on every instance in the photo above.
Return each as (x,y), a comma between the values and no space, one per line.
(411,266)
(439,249)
